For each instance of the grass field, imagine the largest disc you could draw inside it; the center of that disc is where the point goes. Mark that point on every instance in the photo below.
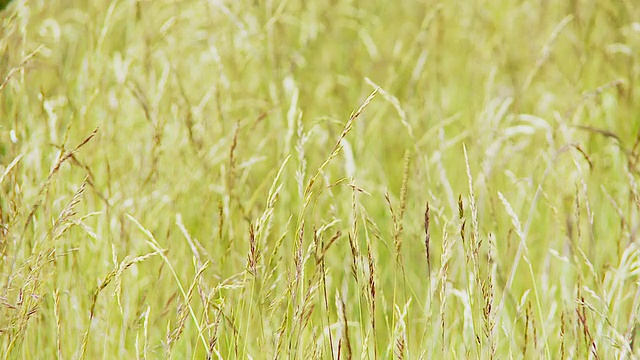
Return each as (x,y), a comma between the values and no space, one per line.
(319,179)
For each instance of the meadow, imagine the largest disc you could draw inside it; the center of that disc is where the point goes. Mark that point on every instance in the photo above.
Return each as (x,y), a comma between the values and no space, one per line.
(191,179)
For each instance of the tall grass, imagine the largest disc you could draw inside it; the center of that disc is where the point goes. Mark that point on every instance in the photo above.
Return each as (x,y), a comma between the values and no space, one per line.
(331,180)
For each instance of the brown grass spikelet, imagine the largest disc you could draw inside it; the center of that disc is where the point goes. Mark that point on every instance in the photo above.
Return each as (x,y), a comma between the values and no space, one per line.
(372,283)
(527,320)
(404,186)
(581,312)
(354,257)
(325,247)
(562,334)
(462,218)
(372,293)
(213,342)
(352,236)
(232,159)
(342,310)
(534,328)
(427,238)
(252,257)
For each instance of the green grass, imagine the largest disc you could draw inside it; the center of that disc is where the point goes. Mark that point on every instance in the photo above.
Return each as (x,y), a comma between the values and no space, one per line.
(310,179)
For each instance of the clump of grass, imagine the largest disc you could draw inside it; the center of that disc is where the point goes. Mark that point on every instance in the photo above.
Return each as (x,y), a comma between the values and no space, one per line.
(206,179)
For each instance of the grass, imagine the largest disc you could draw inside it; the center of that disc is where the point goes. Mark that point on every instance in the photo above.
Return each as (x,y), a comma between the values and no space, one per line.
(331,180)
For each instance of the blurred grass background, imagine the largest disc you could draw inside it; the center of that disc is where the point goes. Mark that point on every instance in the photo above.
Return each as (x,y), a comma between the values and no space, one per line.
(132,128)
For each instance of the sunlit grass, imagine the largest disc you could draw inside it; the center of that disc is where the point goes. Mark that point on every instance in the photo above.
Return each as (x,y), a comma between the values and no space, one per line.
(333,180)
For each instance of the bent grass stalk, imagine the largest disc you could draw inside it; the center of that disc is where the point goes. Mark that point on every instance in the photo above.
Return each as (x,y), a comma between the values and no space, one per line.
(151,240)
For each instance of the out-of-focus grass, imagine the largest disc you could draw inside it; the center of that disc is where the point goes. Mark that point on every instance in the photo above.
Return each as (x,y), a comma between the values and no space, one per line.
(190,179)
